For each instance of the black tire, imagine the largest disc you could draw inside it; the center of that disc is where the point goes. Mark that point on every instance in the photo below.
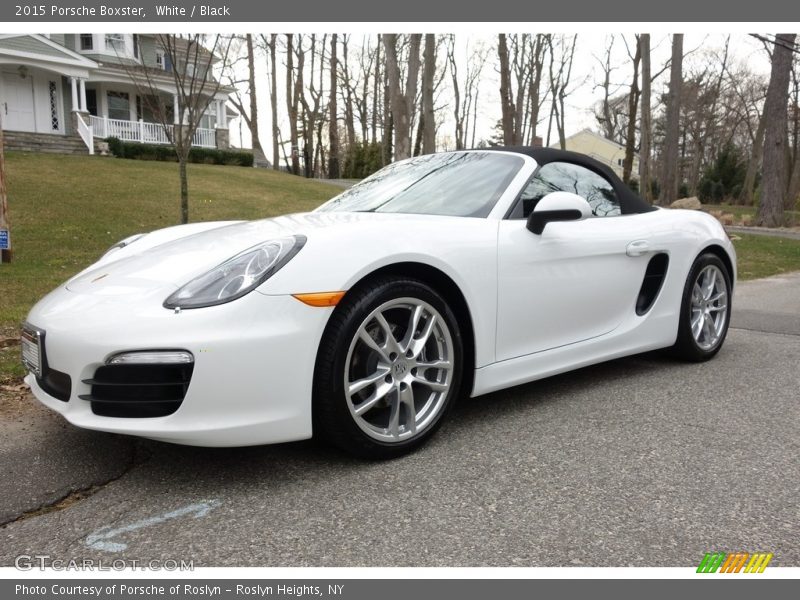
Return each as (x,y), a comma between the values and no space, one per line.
(686,346)
(334,419)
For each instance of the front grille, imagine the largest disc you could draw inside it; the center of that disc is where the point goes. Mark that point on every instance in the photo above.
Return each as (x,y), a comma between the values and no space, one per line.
(56,384)
(138,390)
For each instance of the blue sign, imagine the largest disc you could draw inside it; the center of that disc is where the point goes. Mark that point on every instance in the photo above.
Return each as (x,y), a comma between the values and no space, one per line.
(5,243)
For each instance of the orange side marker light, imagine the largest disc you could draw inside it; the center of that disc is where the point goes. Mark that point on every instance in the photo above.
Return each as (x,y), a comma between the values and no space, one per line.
(320,298)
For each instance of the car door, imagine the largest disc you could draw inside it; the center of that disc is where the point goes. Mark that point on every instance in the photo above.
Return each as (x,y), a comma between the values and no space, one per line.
(577,280)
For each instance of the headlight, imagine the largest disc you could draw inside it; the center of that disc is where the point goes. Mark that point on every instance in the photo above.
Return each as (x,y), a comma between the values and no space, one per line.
(236,277)
(126,242)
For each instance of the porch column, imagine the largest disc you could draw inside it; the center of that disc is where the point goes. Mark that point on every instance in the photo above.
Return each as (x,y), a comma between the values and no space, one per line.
(74,83)
(83,95)
(175,109)
(221,115)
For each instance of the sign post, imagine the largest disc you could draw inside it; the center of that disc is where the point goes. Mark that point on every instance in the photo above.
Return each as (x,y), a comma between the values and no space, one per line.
(5,233)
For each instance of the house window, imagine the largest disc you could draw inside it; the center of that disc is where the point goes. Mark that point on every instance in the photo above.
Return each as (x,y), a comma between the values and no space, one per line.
(87,41)
(53,94)
(209,118)
(160,59)
(135,45)
(119,106)
(115,42)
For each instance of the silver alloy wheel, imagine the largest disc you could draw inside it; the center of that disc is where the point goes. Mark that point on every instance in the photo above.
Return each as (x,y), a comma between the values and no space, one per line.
(399,370)
(708,312)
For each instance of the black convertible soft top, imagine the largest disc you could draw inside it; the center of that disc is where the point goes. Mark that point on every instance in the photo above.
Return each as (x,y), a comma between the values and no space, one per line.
(630,202)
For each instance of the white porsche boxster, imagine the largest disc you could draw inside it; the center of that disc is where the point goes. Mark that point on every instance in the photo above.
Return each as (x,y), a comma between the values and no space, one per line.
(363,321)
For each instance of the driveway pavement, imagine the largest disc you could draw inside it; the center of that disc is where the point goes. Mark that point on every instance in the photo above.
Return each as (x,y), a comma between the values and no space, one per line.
(643,461)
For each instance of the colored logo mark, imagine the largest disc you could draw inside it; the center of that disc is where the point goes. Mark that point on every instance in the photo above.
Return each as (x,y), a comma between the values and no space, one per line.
(735,562)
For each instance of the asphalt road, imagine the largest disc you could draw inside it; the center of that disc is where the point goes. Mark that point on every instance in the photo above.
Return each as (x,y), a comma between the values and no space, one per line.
(642,461)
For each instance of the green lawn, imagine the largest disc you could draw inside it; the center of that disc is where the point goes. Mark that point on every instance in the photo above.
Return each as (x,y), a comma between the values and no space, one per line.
(67,210)
(764,256)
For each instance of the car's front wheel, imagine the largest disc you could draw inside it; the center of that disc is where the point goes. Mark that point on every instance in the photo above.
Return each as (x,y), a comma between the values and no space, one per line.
(388,369)
(705,309)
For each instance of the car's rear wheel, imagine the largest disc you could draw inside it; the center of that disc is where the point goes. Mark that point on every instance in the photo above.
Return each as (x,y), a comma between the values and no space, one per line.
(705,309)
(388,369)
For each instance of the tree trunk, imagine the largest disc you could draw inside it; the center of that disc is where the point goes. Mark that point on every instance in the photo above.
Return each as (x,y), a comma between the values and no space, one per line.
(251,87)
(428,119)
(182,160)
(348,104)
(375,88)
(671,170)
(793,193)
(747,195)
(402,102)
(646,127)
(506,104)
(773,187)
(273,97)
(291,104)
(333,125)
(633,100)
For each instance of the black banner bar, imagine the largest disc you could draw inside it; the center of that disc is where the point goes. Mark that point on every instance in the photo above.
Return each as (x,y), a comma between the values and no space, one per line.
(362,11)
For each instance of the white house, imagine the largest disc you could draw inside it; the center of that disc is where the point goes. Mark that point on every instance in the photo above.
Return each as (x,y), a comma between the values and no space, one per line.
(64,91)
(606,151)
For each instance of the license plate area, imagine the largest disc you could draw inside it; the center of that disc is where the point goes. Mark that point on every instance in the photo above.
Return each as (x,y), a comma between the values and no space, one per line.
(32,355)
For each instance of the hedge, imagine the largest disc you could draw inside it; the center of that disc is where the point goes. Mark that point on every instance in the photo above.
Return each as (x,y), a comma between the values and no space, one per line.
(208,156)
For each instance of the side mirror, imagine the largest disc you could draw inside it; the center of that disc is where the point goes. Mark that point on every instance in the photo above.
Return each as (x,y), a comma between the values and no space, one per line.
(558,206)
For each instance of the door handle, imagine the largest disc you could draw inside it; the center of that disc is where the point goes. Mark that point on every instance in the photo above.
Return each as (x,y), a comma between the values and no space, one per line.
(638,248)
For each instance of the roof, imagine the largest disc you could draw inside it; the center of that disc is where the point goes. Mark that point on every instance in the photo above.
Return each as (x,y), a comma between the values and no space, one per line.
(630,202)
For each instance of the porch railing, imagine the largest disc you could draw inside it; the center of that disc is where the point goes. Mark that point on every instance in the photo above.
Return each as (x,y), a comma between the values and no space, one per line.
(85,131)
(147,133)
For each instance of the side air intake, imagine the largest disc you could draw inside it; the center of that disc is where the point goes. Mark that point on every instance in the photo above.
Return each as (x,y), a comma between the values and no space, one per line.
(653,280)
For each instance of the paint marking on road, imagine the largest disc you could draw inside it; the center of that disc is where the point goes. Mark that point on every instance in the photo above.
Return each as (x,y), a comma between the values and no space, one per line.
(102,539)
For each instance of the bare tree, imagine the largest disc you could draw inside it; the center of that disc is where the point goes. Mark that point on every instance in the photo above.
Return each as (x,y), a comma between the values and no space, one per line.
(610,109)
(271,45)
(193,58)
(633,100)
(333,125)
(793,191)
(427,119)
(506,102)
(670,171)
(773,187)
(348,90)
(465,100)
(293,88)
(647,126)
(248,112)
(402,101)
(560,75)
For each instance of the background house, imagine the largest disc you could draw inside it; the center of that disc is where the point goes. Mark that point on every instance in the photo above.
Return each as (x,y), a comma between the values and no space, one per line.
(62,92)
(600,148)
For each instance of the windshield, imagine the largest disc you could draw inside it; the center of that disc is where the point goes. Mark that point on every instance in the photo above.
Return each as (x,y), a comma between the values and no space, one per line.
(459,184)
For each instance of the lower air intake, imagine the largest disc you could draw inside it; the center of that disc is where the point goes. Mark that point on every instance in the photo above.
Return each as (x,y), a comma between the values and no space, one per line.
(138,390)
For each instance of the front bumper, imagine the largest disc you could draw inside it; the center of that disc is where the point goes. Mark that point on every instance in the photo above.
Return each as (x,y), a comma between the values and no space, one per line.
(253,370)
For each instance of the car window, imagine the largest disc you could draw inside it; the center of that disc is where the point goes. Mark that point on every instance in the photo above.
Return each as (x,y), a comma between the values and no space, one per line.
(568,177)
(462,184)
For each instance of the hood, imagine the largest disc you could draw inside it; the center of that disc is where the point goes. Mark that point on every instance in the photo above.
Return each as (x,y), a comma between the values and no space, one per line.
(169,258)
